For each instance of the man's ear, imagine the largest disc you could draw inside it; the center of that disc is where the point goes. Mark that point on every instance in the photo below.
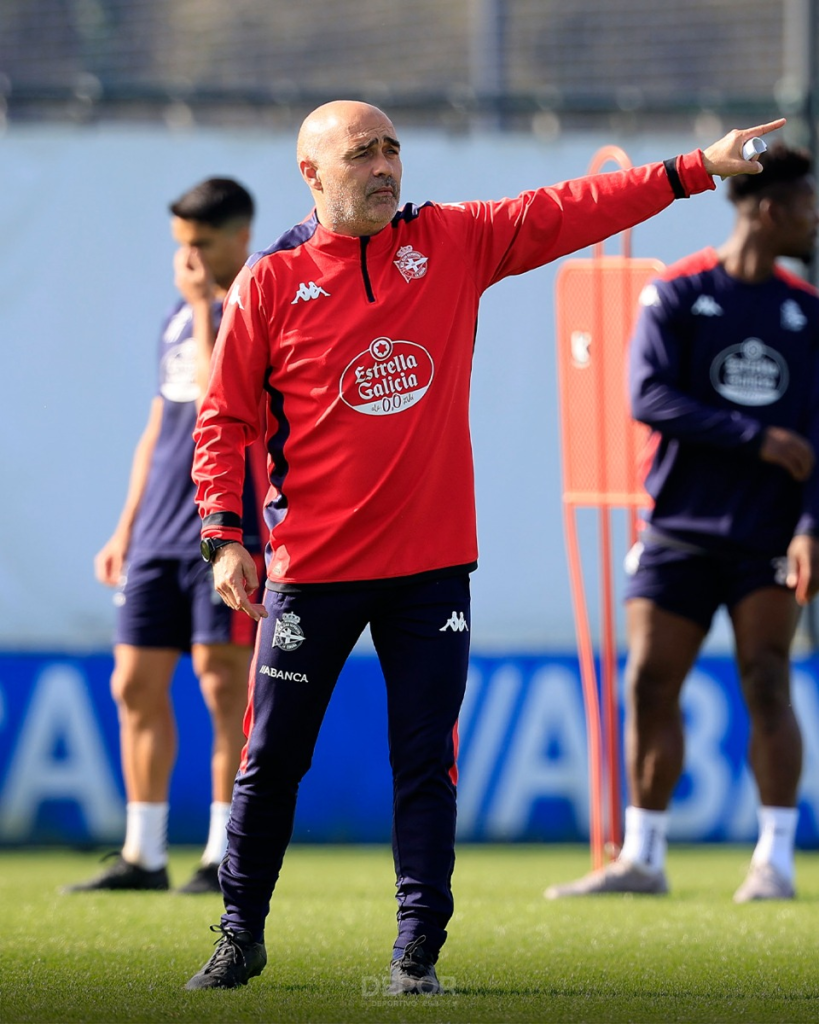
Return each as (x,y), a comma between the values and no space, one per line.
(310,173)
(768,211)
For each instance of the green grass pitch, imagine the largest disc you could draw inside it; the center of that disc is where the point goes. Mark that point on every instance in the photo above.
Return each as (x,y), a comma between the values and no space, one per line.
(511,955)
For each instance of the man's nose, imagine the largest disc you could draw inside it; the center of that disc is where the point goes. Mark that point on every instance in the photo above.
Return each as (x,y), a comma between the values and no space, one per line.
(382,166)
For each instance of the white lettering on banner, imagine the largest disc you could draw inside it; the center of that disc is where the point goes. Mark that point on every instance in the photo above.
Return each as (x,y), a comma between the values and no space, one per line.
(60,715)
(551,717)
(513,756)
(486,738)
(705,707)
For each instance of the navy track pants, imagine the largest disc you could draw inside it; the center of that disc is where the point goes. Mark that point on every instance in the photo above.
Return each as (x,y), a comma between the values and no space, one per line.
(421,635)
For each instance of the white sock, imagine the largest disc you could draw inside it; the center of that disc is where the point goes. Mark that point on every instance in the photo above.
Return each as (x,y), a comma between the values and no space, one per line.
(146,835)
(645,841)
(777,831)
(217,836)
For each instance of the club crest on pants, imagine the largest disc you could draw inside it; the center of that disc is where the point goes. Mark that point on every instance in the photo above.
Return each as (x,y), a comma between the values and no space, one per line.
(288,634)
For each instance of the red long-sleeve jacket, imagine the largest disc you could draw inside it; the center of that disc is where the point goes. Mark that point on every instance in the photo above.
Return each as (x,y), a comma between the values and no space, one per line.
(362,348)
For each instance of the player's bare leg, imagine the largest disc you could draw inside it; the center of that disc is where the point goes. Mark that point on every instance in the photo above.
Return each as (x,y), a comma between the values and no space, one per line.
(662,650)
(140,685)
(222,671)
(764,625)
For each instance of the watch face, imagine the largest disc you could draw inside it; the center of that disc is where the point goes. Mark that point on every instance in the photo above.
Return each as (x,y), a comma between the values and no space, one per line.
(206,549)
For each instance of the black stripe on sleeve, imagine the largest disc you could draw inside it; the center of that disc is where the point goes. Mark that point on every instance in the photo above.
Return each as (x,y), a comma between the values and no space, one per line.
(674,178)
(229,519)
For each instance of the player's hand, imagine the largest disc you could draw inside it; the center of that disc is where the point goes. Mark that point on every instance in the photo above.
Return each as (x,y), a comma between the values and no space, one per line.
(789,450)
(191,276)
(725,157)
(234,577)
(803,567)
(110,561)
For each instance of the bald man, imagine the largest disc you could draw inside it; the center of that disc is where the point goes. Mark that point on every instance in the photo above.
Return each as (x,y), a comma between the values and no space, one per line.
(356,328)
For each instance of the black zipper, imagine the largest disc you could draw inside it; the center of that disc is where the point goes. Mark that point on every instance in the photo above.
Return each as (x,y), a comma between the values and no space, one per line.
(365,239)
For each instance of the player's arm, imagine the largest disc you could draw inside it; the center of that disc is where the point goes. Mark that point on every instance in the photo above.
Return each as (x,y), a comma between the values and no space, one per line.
(659,398)
(228,422)
(803,551)
(109,561)
(197,288)
(515,235)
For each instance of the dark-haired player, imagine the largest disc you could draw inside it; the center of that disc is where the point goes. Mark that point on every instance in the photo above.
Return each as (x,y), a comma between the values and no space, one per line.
(724,366)
(166,604)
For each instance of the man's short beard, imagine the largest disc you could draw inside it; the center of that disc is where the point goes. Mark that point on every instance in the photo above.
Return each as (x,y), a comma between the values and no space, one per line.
(346,208)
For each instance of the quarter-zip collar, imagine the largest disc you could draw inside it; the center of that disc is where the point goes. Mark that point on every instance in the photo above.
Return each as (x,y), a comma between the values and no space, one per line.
(350,246)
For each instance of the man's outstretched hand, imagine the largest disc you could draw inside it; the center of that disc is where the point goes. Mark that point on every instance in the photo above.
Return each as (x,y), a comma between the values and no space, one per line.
(725,157)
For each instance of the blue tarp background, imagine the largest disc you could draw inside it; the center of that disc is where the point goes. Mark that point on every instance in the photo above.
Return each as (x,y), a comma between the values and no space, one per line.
(523,758)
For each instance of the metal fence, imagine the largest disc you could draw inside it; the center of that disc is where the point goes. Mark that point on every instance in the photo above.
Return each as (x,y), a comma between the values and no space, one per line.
(523,63)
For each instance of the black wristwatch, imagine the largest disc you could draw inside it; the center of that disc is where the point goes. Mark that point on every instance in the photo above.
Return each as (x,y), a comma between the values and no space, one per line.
(210,545)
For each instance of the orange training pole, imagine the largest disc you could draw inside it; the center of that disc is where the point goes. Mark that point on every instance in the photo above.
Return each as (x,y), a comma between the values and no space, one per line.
(596,302)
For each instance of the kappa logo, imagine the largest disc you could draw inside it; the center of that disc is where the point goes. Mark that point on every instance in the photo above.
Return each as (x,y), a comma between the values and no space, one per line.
(411,263)
(288,634)
(306,292)
(649,296)
(791,316)
(456,622)
(236,298)
(707,305)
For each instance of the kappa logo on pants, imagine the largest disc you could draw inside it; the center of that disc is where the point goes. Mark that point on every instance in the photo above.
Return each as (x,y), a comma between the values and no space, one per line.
(456,622)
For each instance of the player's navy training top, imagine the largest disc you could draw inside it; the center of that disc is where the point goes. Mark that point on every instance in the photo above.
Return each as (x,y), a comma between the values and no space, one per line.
(714,361)
(167,523)
(363,347)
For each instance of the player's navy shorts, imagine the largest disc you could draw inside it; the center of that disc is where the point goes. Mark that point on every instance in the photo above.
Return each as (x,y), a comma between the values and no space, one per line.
(170,602)
(694,583)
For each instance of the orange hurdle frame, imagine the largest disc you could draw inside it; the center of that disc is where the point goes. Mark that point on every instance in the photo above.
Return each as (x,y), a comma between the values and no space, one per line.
(596,305)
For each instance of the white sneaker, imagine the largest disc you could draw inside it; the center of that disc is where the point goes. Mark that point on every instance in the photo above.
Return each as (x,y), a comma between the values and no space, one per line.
(764,882)
(619,876)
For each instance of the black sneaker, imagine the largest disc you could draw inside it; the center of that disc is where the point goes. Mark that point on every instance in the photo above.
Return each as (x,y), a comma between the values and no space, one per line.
(237,959)
(123,875)
(205,879)
(413,973)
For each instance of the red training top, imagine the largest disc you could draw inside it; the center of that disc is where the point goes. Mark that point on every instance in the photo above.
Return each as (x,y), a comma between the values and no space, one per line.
(363,348)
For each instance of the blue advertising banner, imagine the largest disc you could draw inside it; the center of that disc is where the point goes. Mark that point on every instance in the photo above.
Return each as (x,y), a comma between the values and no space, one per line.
(523,757)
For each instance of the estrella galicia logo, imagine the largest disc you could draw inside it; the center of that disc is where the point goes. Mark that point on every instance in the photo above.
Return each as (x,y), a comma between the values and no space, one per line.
(751,373)
(177,373)
(387,377)
(288,634)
